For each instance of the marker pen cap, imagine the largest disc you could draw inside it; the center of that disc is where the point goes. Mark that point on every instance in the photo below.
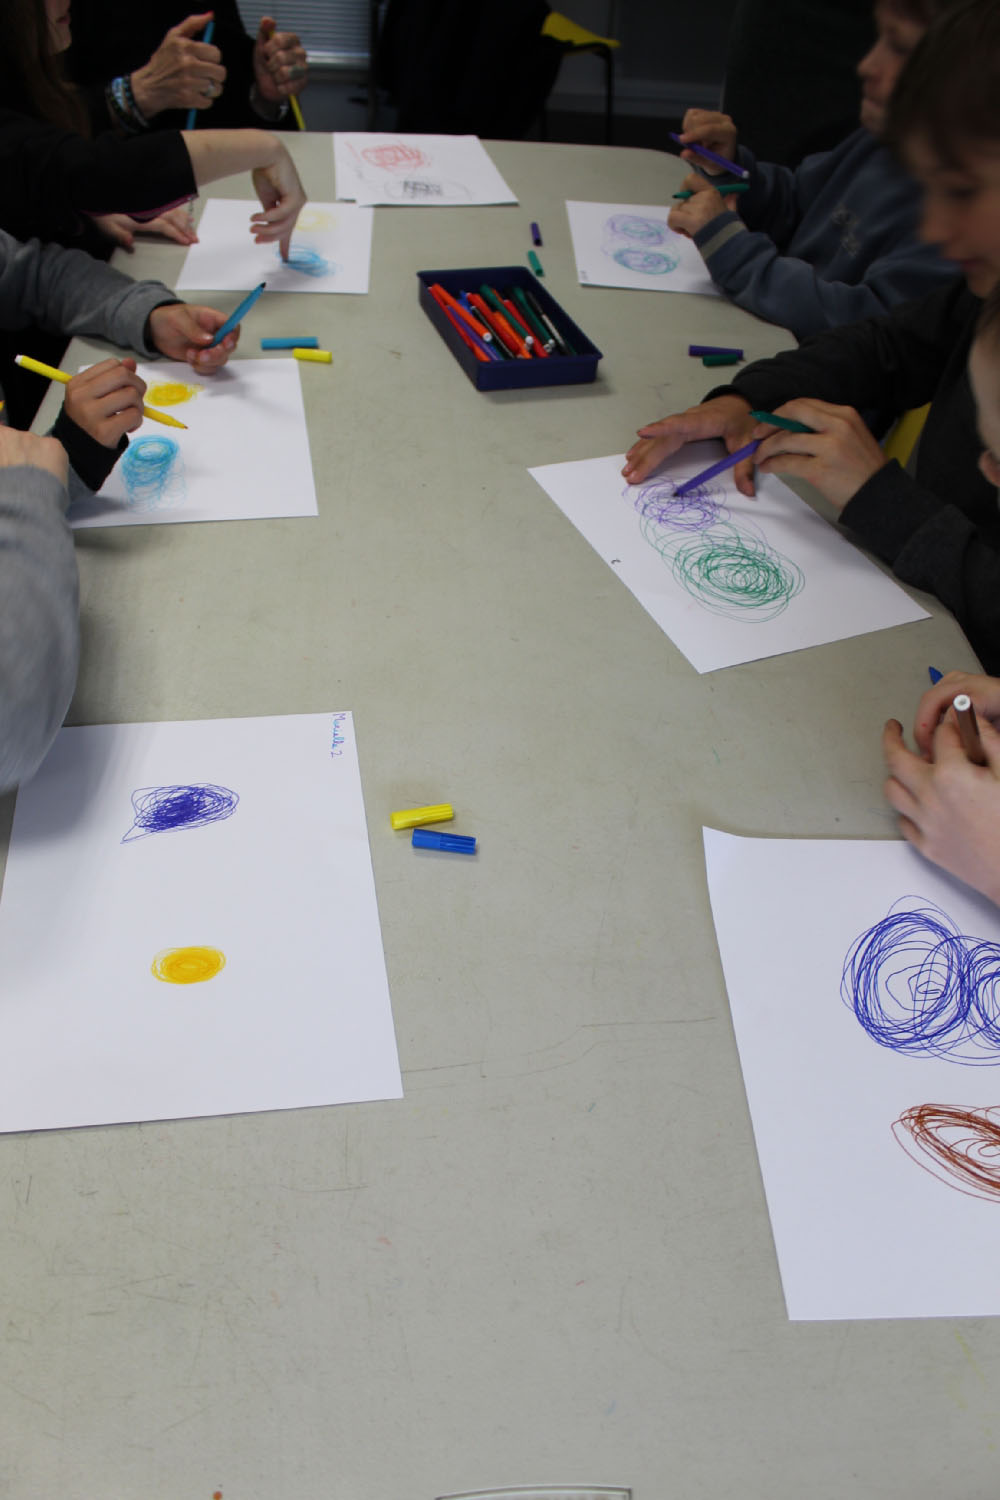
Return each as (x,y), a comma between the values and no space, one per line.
(452,843)
(412,817)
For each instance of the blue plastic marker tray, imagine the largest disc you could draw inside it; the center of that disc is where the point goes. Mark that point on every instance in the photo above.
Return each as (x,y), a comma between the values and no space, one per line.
(510,374)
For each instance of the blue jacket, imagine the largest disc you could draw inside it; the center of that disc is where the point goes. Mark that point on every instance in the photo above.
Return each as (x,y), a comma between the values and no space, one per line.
(829,242)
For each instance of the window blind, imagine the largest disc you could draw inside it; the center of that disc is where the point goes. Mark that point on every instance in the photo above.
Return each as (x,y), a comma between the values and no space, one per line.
(334,31)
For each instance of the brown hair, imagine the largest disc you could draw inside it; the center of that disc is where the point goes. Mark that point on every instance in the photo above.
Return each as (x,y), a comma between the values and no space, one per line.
(31,78)
(949,90)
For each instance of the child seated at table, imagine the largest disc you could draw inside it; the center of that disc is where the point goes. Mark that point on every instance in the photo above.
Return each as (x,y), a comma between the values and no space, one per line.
(834,239)
(948,807)
(939,528)
(39,627)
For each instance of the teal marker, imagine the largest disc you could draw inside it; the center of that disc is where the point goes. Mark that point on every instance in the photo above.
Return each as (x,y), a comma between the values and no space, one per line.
(192,114)
(535,263)
(785,423)
(724,187)
(238,316)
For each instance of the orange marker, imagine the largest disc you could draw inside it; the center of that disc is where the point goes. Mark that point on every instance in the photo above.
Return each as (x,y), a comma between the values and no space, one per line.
(529,338)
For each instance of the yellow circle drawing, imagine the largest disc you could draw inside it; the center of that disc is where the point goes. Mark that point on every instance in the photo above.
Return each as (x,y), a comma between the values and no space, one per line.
(314,218)
(172,393)
(187,965)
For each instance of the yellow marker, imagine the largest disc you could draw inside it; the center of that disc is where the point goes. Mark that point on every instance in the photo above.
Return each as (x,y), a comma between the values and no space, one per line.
(317,356)
(297,112)
(51,373)
(416,817)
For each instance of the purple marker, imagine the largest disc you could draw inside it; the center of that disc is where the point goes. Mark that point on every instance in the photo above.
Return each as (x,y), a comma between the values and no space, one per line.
(536,234)
(723,464)
(720,161)
(713,349)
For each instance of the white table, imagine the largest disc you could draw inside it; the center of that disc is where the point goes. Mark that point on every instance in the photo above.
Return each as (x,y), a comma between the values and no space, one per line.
(552,1260)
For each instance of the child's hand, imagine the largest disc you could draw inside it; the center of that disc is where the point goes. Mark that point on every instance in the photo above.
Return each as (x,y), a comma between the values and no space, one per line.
(837,457)
(176,224)
(693,213)
(106,400)
(182,330)
(949,808)
(282,198)
(711,128)
(19,449)
(985,695)
(727,417)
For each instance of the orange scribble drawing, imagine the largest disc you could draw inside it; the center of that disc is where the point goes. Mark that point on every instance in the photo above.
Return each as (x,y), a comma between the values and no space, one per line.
(958,1146)
(187,965)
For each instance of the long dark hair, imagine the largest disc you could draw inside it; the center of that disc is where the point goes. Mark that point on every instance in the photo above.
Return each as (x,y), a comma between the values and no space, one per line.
(31,79)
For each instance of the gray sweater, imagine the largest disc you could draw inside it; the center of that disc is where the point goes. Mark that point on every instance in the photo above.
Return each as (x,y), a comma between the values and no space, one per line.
(829,243)
(69,292)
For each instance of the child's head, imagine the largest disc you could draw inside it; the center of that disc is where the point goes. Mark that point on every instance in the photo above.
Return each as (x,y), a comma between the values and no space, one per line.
(899,26)
(984,375)
(944,120)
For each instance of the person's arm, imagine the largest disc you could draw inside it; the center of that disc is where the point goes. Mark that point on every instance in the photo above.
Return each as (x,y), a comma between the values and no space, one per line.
(39,605)
(891,362)
(221,153)
(750,269)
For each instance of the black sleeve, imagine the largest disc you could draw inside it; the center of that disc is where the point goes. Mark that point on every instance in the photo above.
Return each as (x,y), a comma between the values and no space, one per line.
(891,363)
(52,177)
(931,544)
(90,459)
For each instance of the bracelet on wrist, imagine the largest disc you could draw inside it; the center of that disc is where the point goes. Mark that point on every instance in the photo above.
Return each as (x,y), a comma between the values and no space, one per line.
(122,105)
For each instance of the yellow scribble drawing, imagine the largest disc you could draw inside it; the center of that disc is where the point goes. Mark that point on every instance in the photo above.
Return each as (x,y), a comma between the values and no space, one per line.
(172,393)
(314,218)
(187,965)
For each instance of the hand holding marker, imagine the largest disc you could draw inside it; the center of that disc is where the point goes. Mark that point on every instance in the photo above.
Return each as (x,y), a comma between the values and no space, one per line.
(732,459)
(51,373)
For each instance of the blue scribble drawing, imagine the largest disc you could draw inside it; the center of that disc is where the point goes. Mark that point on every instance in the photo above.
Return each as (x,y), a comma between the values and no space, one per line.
(649,262)
(730,568)
(152,472)
(164,809)
(306,261)
(921,987)
(638,229)
(640,235)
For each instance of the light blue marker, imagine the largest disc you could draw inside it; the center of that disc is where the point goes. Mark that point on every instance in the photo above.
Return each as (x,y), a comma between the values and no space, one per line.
(192,118)
(238,316)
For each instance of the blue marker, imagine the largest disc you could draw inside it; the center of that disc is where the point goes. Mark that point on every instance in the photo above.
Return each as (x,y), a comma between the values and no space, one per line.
(306,342)
(452,843)
(934,675)
(237,317)
(192,116)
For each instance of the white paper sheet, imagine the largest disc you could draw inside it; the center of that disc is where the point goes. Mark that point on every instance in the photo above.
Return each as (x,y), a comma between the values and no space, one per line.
(631,245)
(244,454)
(422,171)
(868,1188)
(330,251)
(728,579)
(274,873)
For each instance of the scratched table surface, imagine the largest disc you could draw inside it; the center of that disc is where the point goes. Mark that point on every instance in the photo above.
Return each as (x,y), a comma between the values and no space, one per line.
(551,1261)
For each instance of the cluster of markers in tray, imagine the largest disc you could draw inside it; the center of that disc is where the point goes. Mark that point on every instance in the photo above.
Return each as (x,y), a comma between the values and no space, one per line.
(500,325)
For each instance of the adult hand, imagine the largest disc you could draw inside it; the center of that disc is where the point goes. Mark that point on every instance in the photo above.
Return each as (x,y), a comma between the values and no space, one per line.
(711,128)
(949,808)
(279,62)
(282,197)
(182,330)
(106,400)
(25,449)
(837,457)
(726,417)
(182,73)
(705,204)
(984,692)
(176,224)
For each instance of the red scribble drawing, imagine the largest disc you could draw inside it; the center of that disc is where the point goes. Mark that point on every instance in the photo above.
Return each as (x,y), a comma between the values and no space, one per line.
(958,1146)
(395,157)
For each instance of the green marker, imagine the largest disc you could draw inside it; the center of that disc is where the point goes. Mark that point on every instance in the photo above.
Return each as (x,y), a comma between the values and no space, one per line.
(535,263)
(785,423)
(725,187)
(709,360)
